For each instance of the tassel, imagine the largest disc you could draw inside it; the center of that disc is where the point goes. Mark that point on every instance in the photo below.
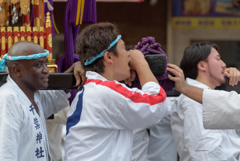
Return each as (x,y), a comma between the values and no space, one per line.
(50,7)
(54,24)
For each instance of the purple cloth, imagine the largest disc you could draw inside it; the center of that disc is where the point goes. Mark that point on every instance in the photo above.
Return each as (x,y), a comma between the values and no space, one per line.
(71,32)
(148,46)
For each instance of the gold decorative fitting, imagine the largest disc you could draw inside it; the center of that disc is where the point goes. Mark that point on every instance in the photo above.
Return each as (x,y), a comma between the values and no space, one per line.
(3,43)
(35,29)
(16,29)
(22,38)
(29,38)
(22,29)
(28,29)
(14,1)
(36,2)
(52,68)
(37,22)
(3,29)
(1,1)
(41,29)
(49,40)
(15,39)
(35,39)
(9,42)
(48,20)
(9,29)
(24,5)
(51,61)
(41,41)
(49,56)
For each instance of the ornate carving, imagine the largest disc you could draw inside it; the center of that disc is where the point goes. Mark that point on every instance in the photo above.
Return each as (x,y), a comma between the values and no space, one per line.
(3,29)
(49,40)
(35,39)
(48,20)
(29,38)
(37,22)
(25,5)
(22,38)
(42,41)
(49,56)
(41,29)
(35,29)
(28,29)
(3,43)
(14,1)
(9,29)
(10,41)
(15,39)
(22,29)
(16,29)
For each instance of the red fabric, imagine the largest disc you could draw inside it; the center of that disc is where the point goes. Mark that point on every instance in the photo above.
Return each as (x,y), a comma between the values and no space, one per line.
(135,97)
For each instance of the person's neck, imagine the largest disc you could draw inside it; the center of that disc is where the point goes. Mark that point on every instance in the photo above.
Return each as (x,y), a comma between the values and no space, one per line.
(26,90)
(107,74)
(206,81)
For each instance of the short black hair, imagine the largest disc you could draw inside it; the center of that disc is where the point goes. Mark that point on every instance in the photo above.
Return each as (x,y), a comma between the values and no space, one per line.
(193,54)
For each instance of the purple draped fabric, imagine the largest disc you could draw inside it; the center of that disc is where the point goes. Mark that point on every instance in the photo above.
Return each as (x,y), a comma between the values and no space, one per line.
(148,46)
(71,32)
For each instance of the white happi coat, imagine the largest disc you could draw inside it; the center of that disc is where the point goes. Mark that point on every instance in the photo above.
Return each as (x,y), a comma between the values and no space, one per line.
(221,109)
(103,115)
(161,142)
(158,144)
(23,135)
(196,143)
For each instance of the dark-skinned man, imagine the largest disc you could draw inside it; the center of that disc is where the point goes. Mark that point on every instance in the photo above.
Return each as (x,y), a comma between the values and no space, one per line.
(24,107)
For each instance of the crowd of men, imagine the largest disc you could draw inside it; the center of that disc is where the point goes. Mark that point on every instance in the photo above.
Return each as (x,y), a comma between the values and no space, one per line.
(107,120)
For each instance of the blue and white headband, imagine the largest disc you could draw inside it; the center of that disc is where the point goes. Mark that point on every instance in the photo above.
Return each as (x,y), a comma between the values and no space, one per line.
(3,63)
(92,59)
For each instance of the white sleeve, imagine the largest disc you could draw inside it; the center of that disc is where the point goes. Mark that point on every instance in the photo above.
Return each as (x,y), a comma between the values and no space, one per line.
(124,107)
(53,101)
(201,144)
(11,117)
(221,109)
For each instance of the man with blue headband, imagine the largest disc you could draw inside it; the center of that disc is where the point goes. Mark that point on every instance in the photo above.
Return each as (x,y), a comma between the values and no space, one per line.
(104,113)
(24,107)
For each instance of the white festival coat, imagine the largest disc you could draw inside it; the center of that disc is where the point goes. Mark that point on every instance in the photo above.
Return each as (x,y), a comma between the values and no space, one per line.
(107,113)
(221,109)
(23,135)
(196,143)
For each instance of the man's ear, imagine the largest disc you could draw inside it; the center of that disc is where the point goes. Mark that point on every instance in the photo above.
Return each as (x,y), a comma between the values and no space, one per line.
(16,70)
(108,57)
(202,65)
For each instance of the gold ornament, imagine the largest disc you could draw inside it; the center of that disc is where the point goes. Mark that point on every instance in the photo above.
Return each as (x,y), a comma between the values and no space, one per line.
(48,20)
(49,40)
(42,41)
(24,5)
(3,43)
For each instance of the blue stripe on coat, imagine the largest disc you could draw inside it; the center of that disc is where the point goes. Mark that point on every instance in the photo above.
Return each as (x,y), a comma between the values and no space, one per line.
(75,117)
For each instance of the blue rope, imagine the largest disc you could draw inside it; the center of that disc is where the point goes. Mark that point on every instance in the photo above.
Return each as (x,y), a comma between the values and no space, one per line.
(92,59)
(3,63)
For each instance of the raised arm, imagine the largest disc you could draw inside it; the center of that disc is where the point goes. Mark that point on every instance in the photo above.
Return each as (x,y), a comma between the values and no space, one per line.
(181,85)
